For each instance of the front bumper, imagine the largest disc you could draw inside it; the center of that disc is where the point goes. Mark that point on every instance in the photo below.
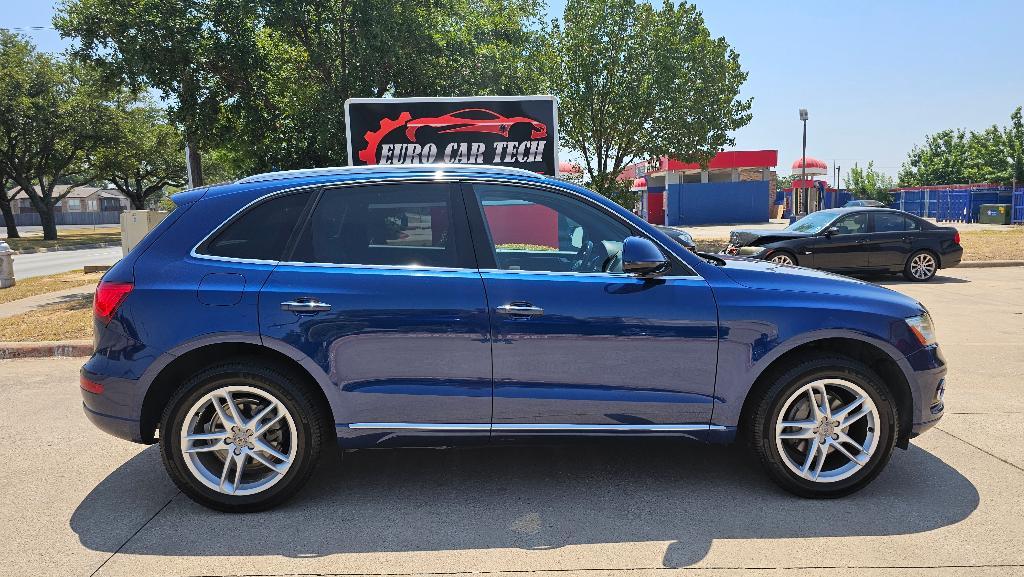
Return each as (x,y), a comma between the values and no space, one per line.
(928,386)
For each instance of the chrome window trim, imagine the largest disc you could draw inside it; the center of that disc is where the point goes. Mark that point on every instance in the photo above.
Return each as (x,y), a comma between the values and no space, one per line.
(678,427)
(439,176)
(407,267)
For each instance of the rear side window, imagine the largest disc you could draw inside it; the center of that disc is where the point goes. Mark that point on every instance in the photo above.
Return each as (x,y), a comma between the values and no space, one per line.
(408,224)
(889,222)
(261,232)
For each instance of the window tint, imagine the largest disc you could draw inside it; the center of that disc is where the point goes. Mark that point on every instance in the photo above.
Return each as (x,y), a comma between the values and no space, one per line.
(853,224)
(913,224)
(405,224)
(889,222)
(261,232)
(545,231)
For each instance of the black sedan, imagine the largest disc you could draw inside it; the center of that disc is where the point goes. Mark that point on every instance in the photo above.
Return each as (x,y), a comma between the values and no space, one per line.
(859,239)
(679,235)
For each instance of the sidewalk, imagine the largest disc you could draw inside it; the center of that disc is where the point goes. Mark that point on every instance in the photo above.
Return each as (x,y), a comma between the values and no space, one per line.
(34,302)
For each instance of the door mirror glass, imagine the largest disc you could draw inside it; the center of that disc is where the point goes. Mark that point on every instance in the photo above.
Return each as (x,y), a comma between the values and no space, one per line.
(641,257)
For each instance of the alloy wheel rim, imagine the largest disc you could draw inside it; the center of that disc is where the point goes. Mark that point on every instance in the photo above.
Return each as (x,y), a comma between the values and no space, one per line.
(238,440)
(827,430)
(923,266)
(781,259)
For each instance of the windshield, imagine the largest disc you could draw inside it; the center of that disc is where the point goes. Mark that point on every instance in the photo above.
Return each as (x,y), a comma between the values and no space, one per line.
(814,222)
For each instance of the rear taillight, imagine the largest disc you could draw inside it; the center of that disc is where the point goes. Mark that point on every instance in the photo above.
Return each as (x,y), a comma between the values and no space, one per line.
(956,237)
(109,296)
(90,385)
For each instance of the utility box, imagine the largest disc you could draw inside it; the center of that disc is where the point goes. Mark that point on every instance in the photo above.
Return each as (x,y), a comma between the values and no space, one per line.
(995,213)
(136,224)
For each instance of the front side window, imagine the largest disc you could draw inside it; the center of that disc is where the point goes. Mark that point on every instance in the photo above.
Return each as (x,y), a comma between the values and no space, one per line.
(407,224)
(889,222)
(853,224)
(261,232)
(538,230)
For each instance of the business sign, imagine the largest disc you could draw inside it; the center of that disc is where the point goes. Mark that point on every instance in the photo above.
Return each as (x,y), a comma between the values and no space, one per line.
(519,131)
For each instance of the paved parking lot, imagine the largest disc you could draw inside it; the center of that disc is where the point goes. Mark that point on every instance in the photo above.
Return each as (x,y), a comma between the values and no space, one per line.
(77,502)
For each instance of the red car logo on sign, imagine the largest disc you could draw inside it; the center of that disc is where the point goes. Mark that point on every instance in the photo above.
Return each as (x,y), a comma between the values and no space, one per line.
(475,120)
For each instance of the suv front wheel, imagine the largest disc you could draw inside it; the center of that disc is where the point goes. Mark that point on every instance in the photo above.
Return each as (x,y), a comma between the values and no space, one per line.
(240,437)
(825,428)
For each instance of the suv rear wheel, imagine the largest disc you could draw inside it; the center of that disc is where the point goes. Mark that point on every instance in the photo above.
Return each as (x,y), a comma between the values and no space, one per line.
(825,428)
(240,437)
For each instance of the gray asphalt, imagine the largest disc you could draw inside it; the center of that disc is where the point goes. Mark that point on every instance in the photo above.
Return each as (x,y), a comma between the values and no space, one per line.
(44,263)
(78,502)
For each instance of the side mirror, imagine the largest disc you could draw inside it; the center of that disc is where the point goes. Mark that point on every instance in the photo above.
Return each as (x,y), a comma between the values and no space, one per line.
(641,257)
(831,231)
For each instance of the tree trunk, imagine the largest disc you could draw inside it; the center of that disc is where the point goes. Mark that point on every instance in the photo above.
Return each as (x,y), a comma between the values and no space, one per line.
(138,203)
(49,223)
(5,209)
(195,165)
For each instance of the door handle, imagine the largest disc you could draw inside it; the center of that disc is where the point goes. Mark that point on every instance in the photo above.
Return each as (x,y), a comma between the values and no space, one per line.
(305,306)
(520,310)
(861,240)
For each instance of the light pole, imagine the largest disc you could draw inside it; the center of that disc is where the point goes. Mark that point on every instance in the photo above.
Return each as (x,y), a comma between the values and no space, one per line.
(803,162)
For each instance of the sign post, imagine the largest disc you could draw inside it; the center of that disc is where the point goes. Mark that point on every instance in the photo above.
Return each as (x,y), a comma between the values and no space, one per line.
(516,131)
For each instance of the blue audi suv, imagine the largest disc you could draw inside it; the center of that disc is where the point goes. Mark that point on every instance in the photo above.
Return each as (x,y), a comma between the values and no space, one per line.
(391,306)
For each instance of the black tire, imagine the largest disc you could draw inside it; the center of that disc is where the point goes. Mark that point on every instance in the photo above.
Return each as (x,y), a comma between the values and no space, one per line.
(301,408)
(919,262)
(772,400)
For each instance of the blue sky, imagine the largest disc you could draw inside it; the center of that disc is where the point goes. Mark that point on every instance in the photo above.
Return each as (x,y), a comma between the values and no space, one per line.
(875,76)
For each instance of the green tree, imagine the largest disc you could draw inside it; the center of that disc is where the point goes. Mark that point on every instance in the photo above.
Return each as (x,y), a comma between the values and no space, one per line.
(944,159)
(52,117)
(266,80)
(869,183)
(636,82)
(143,154)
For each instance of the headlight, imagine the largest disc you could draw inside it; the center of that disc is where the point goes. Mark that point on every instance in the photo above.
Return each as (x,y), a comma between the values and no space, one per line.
(923,329)
(750,250)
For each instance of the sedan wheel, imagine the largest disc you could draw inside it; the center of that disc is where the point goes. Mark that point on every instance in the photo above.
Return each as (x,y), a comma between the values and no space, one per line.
(782,258)
(921,266)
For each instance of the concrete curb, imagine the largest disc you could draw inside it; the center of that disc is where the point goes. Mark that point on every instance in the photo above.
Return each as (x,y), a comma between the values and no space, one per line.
(988,263)
(63,248)
(82,348)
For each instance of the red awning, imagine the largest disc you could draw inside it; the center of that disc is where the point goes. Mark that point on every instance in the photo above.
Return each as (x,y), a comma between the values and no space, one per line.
(728,159)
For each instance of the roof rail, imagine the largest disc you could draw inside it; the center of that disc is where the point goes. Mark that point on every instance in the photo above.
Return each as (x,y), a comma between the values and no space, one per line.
(337,170)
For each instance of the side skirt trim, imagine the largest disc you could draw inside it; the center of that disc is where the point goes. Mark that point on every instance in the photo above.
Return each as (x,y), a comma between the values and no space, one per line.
(502,427)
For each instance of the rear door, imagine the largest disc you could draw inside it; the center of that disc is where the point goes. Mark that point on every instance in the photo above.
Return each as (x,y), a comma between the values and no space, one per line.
(381,290)
(845,248)
(890,243)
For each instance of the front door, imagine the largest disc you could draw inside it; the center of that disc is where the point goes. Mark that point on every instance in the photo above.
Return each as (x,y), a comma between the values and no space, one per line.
(578,346)
(381,290)
(843,248)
